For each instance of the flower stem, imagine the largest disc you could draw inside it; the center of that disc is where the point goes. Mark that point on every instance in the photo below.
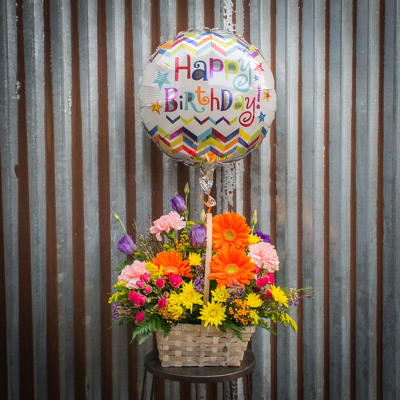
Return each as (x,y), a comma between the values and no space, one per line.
(116,216)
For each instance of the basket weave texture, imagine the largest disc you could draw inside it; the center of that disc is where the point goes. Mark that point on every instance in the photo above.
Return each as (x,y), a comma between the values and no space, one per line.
(195,345)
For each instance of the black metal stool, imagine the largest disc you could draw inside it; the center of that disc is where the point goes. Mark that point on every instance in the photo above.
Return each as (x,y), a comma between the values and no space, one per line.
(199,374)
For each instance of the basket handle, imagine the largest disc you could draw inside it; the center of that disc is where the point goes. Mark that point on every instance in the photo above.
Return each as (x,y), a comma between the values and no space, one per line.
(208,258)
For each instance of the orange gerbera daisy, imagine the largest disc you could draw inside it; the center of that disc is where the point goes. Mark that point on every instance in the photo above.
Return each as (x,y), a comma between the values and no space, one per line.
(231,266)
(172,264)
(230,229)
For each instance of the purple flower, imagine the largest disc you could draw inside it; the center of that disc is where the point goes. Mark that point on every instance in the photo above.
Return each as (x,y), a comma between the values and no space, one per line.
(263,236)
(126,245)
(178,203)
(197,236)
(115,312)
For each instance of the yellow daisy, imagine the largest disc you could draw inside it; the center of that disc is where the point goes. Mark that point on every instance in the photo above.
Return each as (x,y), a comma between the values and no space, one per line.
(278,295)
(254,317)
(253,239)
(174,299)
(188,297)
(253,300)
(220,294)
(213,314)
(194,259)
(175,310)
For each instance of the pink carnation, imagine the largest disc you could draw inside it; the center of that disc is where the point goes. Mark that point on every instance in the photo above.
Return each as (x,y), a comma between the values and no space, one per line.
(173,220)
(131,274)
(139,317)
(265,256)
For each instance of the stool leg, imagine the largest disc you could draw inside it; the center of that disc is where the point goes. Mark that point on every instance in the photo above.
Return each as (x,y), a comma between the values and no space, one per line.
(249,394)
(152,388)
(144,384)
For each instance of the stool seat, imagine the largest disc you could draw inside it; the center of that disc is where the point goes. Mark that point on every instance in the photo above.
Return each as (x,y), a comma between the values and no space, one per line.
(198,374)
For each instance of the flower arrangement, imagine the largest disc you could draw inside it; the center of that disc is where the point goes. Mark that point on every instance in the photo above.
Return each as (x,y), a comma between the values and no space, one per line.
(162,282)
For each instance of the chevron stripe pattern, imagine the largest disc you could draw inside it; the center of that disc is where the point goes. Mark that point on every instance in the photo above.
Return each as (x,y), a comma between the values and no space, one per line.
(185,143)
(201,121)
(197,44)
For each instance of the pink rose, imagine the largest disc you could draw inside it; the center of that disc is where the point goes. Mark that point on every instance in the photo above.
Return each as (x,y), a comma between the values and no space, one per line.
(162,302)
(173,220)
(160,283)
(131,274)
(136,298)
(265,256)
(175,280)
(265,280)
(140,300)
(261,282)
(270,278)
(147,289)
(139,317)
(132,295)
(139,284)
(145,278)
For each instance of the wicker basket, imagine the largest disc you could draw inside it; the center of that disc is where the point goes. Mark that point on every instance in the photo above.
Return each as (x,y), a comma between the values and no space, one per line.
(195,345)
(190,345)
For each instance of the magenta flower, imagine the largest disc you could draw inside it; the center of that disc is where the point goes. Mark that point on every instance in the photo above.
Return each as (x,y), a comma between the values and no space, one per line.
(160,283)
(270,278)
(178,203)
(145,277)
(265,280)
(136,298)
(197,236)
(126,245)
(162,302)
(175,280)
(147,289)
(139,284)
(139,317)
(261,282)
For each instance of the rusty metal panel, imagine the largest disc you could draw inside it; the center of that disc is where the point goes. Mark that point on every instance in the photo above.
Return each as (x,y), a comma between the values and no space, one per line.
(324,181)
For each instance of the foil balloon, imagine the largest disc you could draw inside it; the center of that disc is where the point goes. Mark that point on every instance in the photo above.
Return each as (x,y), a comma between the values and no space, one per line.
(207,97)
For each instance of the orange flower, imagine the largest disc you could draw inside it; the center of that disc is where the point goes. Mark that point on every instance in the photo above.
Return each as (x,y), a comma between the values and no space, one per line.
(172,264)
(231,266)
(230,229)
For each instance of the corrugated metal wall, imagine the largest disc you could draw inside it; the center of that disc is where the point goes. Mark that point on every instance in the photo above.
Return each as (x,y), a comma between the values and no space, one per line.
(325,183)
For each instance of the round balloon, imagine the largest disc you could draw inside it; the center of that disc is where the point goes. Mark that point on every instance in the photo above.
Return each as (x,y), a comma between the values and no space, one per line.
(207,96)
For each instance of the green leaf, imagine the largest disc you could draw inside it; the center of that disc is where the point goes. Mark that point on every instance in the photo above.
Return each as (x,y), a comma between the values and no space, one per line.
(234,327)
